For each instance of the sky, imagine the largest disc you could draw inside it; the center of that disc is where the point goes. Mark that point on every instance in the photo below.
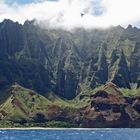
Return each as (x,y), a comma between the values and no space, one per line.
(67,13)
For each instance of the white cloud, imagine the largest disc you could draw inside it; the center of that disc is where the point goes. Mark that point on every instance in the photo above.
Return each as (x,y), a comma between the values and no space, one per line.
(67,13)
(122,11)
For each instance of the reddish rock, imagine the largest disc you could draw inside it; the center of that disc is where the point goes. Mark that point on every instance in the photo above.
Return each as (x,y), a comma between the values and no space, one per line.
(112,109)
(54,112)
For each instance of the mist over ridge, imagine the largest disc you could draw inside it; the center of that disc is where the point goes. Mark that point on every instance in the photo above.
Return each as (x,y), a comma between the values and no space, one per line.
(74,13)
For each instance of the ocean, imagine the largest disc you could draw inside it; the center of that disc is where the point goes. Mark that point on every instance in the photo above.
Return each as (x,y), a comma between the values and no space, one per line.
(71,134)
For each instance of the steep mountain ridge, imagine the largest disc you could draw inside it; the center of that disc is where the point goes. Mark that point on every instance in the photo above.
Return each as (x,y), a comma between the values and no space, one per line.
(61,61)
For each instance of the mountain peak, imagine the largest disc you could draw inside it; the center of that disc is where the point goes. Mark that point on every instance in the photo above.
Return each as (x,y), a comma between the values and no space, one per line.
(111,88)
(129,26)
(30,22)
(9,22)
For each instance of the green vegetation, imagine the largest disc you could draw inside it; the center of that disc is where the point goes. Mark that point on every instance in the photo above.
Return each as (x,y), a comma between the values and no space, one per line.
(26,108)
(131,92)
(63,69)
(50,124)
(57,61)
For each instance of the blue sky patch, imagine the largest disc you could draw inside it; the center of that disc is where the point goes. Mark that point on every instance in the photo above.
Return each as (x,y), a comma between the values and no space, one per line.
(19,1)
(24,1)
(98,9)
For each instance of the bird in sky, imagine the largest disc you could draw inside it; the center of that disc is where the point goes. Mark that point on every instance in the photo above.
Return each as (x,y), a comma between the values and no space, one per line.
(82,14)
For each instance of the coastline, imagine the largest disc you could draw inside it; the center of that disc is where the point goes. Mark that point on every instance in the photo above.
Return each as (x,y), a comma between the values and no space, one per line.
(41,128)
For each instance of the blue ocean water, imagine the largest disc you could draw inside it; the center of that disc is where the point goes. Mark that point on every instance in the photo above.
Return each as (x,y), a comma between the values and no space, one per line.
(93,134)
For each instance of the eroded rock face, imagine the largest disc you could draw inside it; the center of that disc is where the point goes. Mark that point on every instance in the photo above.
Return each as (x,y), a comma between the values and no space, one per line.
(109,110)
(54,112)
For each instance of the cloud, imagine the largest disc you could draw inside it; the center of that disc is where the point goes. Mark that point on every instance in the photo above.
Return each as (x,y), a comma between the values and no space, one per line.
(67,13)
(122,11)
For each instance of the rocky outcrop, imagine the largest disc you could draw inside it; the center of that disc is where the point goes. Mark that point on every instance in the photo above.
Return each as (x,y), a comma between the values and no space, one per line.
(111,110)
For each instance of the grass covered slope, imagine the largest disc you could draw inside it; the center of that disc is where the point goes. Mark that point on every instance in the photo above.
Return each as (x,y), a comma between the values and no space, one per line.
(23,103)
(26,105)
(26,108)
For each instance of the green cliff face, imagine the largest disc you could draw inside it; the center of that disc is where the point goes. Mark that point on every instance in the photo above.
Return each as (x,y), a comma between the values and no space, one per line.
(121,76)
(59,61)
